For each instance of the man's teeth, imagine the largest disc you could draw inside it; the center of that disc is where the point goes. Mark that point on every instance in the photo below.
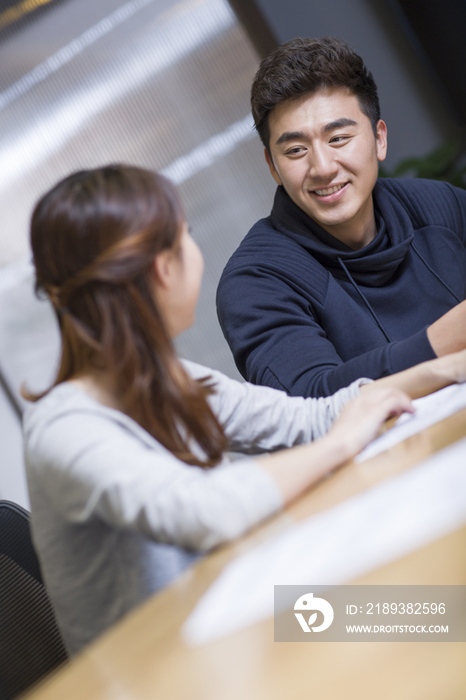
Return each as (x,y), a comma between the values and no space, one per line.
(331,190)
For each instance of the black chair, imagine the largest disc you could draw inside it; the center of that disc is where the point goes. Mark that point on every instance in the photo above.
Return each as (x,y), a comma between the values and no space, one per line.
(30,643)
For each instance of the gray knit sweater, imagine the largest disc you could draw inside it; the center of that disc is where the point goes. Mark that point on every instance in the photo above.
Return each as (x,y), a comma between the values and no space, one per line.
(115,516)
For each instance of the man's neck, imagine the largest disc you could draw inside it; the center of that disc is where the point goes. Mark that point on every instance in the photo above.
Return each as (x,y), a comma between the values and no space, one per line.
(358,239)
(356,234)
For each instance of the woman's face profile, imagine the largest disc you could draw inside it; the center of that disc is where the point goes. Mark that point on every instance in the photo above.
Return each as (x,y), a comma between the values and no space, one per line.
(180,275)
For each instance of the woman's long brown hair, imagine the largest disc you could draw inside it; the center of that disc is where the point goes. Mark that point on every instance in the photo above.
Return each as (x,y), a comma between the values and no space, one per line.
(94,237)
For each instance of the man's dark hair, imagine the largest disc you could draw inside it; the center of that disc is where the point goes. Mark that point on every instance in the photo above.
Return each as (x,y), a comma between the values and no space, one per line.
(303,66)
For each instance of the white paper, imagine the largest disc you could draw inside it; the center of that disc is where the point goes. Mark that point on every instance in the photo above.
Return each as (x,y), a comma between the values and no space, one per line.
(429,410)
(365,532)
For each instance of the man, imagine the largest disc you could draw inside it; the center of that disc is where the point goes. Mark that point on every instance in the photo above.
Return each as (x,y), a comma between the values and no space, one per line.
(349,276)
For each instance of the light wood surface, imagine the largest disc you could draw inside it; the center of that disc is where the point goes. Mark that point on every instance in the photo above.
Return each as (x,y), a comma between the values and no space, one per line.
(144,656)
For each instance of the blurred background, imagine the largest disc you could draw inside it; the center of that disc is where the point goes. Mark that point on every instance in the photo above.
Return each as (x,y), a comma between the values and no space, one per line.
(165,84)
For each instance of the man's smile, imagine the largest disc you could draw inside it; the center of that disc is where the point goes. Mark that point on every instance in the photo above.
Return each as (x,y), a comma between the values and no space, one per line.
(329,191)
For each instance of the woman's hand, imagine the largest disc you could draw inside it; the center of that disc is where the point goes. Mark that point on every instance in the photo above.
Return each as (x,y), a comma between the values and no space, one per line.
(298,468)
(361,419)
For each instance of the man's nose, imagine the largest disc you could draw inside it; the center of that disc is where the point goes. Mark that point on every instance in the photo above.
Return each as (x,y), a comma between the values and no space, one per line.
(322,164)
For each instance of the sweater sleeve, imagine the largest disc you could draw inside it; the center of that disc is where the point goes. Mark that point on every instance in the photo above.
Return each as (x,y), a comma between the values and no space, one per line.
(258,418)
(277,340)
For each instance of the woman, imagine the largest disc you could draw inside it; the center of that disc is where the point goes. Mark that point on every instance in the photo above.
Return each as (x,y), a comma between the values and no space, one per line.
(120,450)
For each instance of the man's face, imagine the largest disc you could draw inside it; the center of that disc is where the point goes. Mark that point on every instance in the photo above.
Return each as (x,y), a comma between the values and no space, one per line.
(325,154)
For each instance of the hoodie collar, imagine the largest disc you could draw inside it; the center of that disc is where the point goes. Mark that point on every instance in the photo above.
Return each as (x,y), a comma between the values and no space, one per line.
(375,264)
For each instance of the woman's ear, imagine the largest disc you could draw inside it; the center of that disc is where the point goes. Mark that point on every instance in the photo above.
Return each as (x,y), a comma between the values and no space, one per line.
(162,268)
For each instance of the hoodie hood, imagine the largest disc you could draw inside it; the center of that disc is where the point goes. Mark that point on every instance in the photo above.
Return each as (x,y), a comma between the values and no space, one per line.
(372,266)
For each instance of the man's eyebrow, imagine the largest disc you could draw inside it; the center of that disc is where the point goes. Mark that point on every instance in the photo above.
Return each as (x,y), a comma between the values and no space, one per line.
(290,136)
(300,135)
(337,124)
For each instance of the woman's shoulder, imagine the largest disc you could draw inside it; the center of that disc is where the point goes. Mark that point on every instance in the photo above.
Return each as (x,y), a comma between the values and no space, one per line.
(58,401)
(67,414)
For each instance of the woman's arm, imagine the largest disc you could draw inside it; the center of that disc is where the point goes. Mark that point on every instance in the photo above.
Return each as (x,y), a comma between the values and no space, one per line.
(359,422)
(95,464)
(259,419)
(426,377)
(297,469)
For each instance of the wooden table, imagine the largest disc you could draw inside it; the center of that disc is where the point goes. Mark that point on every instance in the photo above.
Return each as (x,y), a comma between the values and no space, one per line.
(144,657)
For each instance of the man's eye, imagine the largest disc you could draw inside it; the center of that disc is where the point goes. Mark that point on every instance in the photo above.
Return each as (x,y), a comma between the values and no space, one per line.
(339,139)
(294,151)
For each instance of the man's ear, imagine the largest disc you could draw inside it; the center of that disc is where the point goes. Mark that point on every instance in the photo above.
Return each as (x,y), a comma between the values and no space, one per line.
(381,140)
(273,172)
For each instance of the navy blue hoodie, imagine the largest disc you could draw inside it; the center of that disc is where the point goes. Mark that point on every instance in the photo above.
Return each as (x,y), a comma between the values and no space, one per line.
(305,313)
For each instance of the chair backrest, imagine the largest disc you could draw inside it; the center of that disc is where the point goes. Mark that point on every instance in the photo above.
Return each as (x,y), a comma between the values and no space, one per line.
(30,642)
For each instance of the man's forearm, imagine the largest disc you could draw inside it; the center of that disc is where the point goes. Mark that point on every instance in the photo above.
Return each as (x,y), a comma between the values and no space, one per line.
(426,377)
(448,333)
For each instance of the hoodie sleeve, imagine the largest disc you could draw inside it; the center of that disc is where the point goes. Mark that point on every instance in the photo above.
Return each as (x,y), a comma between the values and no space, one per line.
(277,340)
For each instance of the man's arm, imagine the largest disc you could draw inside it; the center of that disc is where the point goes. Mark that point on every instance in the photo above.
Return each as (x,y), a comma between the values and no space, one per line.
(426,377)
(448,333)
(277,340)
